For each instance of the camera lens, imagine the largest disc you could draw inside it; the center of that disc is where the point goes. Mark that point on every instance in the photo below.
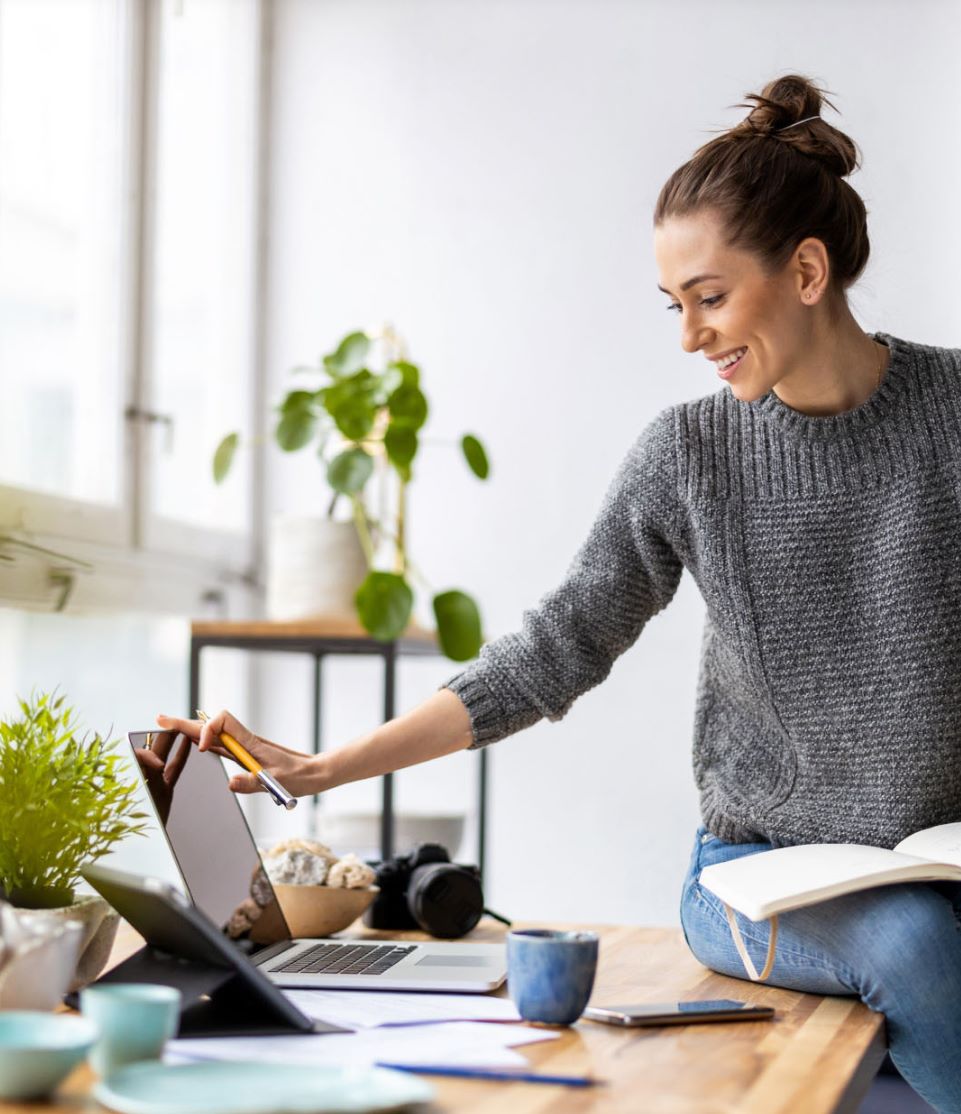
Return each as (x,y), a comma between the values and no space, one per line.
(445,900)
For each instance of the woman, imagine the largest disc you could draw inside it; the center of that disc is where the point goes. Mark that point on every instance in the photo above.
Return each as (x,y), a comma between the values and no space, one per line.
(814,499)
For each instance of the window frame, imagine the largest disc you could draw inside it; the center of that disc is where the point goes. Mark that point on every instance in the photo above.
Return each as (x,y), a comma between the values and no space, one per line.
(127,555)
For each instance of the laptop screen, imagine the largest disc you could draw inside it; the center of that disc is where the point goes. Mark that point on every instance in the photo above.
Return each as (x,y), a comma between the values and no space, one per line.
(208,835)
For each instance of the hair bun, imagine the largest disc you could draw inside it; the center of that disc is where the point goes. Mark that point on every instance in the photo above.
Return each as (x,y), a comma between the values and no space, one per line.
(769,185)
(790,100)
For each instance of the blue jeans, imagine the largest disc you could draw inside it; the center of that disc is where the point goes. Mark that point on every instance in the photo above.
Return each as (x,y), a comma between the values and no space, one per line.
(897,948)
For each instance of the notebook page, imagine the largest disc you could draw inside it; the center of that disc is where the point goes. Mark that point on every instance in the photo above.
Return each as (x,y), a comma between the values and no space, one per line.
(941,844)
(790,877)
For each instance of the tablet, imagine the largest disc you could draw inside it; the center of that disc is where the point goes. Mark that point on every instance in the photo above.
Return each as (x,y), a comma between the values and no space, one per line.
(224,993)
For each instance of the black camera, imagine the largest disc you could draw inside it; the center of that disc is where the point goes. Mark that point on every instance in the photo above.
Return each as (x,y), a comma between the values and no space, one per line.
(424,889)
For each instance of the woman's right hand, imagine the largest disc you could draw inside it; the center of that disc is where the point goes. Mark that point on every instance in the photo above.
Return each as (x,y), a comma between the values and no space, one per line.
(297,772)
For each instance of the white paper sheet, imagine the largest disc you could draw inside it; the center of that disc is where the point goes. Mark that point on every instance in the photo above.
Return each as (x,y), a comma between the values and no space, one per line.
(362,1009)
(455,1044)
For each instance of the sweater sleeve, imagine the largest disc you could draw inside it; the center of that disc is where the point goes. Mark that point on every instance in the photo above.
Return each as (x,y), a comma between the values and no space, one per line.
(625,572)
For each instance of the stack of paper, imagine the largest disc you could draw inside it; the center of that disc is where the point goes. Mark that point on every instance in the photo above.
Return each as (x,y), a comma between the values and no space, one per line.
(451,1044)
(450,1030)
(364,1009)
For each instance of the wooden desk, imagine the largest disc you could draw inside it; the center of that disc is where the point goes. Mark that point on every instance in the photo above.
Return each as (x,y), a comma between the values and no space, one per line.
(818,1055)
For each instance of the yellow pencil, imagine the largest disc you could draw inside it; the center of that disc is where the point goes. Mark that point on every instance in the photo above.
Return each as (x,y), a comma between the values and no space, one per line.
(247,760)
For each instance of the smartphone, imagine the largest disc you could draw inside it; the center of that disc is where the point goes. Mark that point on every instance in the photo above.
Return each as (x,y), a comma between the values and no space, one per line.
(678,1013)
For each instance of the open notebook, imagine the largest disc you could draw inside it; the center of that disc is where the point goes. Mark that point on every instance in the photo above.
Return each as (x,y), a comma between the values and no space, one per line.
(761,886)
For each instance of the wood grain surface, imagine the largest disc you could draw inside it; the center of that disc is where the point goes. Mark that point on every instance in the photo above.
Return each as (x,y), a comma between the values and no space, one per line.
(817,1055)
(320,627)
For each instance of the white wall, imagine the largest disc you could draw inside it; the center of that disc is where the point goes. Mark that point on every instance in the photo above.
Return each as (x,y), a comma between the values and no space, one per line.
(482,174)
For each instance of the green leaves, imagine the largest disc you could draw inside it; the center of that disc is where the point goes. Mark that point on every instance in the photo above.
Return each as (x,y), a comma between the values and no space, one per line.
(475,456)
(458,625)
(298,421)
(408,406)
(408,411)
(400,441)
(349,471)
(371,412)
(224,456)
(409,373)
(64,802)
(352,403)
(384,603)
(350,356)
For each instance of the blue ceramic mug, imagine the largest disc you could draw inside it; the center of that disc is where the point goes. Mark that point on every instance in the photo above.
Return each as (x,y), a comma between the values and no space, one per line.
(550,974)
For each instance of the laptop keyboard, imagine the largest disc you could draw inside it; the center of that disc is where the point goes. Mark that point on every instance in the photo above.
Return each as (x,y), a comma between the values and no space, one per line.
(345,959)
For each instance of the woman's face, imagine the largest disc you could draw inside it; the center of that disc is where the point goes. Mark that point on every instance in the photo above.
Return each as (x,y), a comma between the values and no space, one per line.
(740,307)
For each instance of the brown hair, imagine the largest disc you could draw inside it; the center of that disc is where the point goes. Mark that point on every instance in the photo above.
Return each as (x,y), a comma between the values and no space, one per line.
(772,188)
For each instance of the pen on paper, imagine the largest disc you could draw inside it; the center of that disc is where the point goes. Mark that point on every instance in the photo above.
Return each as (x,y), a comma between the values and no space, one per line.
(247,760)
(491,1073)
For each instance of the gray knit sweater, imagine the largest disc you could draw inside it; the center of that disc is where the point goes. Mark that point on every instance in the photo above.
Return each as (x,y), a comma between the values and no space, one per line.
(828,553)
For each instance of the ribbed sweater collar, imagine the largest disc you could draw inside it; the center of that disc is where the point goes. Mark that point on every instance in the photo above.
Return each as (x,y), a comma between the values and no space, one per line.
(851,422)
(764,449)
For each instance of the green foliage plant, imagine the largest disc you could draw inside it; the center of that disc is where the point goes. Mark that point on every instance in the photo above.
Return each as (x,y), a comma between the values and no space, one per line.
(64,802)
(365,415)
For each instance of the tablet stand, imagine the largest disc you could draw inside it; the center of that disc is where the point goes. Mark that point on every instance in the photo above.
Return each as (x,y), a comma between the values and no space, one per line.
(216,1002)
(224,994)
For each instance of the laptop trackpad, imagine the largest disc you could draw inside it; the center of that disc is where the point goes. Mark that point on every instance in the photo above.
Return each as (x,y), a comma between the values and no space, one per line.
(454,961)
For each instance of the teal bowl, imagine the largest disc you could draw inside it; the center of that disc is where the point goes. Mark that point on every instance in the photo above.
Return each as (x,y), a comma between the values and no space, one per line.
(39,1050)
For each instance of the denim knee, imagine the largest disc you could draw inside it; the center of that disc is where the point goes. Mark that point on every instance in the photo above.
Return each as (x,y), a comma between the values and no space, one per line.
(896,947)
(908,947)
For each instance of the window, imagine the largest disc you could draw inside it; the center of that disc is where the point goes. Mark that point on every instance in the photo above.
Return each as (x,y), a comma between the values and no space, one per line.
(129,186)
(65,75)
(202,297)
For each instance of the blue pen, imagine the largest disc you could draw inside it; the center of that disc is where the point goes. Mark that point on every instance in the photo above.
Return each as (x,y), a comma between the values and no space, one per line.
(490,1073)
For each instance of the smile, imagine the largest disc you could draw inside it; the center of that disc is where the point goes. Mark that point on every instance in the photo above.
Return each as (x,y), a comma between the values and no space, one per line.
(730,364)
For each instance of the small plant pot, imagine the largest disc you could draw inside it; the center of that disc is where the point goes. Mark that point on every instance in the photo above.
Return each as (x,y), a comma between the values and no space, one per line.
(99,930)
(314,568)
(41,970)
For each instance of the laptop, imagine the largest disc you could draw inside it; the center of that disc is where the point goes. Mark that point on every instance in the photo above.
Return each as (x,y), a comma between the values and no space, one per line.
(220,866)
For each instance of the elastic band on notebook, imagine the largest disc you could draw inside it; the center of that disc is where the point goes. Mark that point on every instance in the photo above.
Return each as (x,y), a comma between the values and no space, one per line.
(742,950)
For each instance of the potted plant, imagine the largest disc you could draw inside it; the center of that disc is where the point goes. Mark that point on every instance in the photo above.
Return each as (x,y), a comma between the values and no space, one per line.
(64,802)
(362,416)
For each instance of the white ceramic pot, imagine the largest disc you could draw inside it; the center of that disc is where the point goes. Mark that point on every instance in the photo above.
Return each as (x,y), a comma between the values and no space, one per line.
(314,568)
(38,966)
(98,929)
